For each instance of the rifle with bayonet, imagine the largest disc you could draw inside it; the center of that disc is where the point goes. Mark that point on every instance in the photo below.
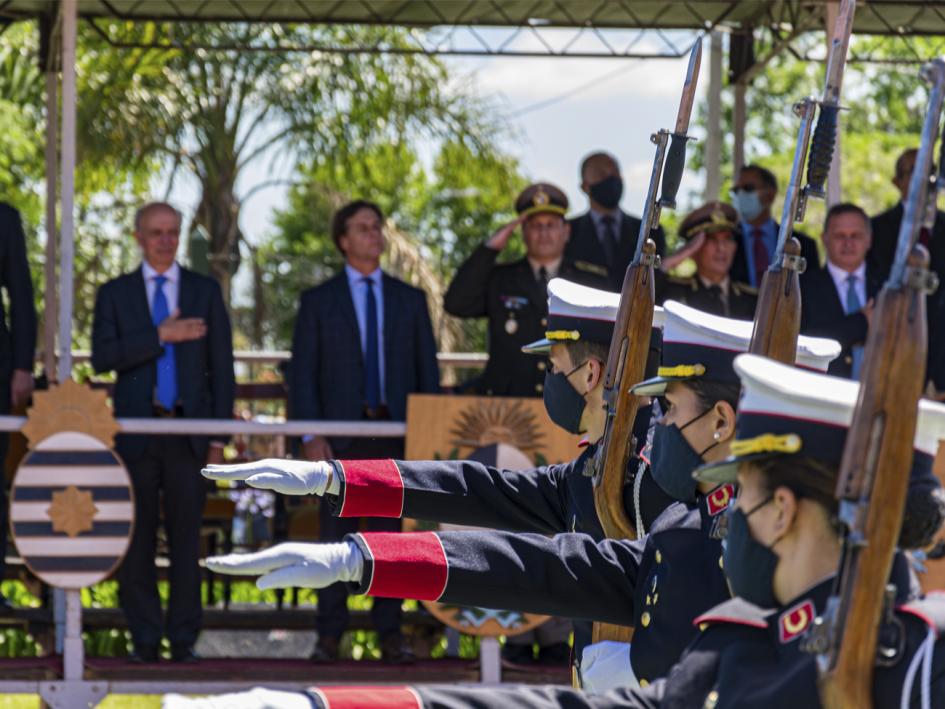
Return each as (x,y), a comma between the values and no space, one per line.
(626,361)
(778,313)
(874,471)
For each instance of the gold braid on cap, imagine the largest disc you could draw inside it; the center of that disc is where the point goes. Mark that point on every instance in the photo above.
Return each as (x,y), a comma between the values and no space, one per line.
(562,335)
(681,370)
(767,443)
(716,221)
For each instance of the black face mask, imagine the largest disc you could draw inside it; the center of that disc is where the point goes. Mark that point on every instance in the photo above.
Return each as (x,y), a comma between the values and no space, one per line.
(564,404)
(748,564)
(607,192)
(672,460)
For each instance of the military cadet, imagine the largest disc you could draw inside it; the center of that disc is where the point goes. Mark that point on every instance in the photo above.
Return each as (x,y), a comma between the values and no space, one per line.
(549,499)
(513,295)
(711,235)
(648,583)
(781,555)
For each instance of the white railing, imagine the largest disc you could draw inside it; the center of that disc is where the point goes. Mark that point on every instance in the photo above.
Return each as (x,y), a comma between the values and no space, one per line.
(472,360)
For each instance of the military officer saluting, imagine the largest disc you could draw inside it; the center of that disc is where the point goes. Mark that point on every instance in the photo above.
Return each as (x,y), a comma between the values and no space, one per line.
(711,235)
(513,296)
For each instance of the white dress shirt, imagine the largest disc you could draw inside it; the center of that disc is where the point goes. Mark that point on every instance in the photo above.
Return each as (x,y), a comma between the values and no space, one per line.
(840,276)
(171,285)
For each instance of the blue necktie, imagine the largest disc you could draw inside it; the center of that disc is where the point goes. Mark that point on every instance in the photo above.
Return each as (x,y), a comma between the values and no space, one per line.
(372,367)
(853,305)
(166,365)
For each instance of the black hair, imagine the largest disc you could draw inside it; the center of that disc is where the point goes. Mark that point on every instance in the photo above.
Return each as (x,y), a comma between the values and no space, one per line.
(767,177)
(339,222)
(901,161)
(846,208)
(594,156)
(711,392)
(583,350)
(806,477)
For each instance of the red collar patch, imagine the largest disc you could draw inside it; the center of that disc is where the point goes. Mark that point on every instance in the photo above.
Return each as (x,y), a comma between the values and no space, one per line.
(794,621)
(717,500)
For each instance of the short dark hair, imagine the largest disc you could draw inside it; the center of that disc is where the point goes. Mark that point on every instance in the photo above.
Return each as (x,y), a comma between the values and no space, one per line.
(846,208)
(710,392)
(339,223)
(806,477)
(901,160)
(145,209)
(594,156)
(767,177)
(582,350)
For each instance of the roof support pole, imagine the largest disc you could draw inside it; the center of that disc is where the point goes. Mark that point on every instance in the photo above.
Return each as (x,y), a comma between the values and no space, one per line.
(67,162)
(739,118)
(834,194)
(50,300)
(713,139)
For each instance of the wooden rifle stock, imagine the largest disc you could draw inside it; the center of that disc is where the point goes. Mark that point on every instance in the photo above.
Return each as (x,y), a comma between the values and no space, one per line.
(875,467)
(626,365)
(778,313)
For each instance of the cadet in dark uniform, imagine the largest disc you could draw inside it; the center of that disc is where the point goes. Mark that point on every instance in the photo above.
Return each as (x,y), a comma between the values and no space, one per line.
(549,499)
(781,557)
(711,235)
(648,583)
(513,296)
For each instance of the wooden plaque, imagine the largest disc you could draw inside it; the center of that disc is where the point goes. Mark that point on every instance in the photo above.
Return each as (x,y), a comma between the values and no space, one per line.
(508,433)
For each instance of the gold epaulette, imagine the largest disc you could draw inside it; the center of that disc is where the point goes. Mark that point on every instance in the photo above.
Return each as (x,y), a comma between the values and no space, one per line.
(740,288)
(594,268)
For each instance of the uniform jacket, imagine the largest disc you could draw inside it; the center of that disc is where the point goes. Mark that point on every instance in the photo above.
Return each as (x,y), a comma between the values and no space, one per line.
(822,315)
(584,246)
(125,340)
(740,303)
(517,309)
(18,332)
(647,583)
(326,373)
(743,656)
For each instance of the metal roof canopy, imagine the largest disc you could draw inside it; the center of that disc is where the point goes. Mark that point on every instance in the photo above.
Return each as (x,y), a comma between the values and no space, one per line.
(568,28)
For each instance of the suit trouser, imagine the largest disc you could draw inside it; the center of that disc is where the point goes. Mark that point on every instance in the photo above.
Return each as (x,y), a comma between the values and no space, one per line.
(4,504)
(168,465)
(386,613)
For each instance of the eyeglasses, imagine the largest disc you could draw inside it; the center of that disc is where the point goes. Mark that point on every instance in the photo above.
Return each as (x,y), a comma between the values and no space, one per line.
(744,188)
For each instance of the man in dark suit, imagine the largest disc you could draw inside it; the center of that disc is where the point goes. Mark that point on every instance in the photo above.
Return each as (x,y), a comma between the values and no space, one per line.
(513,296)
(837,301)
(710,236)
(605,238)
(165,331)
(881,254)
(363,341)
(17,344)
(752,195)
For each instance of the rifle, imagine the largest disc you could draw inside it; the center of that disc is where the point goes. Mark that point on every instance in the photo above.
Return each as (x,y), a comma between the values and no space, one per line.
(778,313)
(874,472)
(626,361)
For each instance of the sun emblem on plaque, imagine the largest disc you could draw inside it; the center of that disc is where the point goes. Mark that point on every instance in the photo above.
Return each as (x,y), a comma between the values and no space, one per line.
(71,407)
(488,423)
(72,511)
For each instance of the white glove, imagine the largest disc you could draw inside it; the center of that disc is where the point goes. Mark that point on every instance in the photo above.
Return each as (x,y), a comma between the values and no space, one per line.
(606,666)
(282,475)
(295,565)
(256,698)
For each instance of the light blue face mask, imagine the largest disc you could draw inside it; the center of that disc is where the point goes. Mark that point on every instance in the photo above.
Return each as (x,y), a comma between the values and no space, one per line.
(747,204)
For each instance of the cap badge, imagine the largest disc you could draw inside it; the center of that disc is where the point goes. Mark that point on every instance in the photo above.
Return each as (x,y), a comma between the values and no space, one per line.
(541,197)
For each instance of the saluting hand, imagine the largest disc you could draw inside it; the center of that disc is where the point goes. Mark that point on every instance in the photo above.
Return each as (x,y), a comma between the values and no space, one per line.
(287,477)
(500,239)
(295,565)
(687,250)
(177,329)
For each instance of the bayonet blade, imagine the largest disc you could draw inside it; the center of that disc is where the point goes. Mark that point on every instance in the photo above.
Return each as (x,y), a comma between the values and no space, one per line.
(689,89)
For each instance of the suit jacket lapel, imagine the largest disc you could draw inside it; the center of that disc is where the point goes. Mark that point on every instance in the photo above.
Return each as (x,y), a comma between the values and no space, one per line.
(345,303)
(392,305)
(595,252)
(139,296)
(186,297)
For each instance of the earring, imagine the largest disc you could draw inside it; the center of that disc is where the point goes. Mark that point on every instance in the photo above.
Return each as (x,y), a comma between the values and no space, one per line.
(717,436)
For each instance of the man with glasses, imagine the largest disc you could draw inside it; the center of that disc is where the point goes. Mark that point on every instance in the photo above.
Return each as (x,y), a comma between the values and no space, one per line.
(753,195)
(513,296)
